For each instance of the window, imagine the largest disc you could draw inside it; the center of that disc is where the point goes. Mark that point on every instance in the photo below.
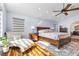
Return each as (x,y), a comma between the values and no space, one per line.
(17,25)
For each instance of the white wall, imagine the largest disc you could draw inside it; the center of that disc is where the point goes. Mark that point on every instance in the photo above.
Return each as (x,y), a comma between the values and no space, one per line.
(68,22)
(3,15)
(29,21)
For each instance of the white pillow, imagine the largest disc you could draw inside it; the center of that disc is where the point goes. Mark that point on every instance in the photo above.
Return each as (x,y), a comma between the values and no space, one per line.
(45,31)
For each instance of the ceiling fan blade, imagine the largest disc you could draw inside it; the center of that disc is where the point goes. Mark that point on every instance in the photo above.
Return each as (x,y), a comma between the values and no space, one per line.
(68,5)
(58,14)
(66,13)
(73,9)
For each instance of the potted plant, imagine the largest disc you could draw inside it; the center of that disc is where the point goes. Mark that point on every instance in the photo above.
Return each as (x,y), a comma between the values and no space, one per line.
(5,43)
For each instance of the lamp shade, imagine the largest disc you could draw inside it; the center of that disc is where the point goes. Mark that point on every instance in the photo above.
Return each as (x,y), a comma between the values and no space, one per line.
(32,27)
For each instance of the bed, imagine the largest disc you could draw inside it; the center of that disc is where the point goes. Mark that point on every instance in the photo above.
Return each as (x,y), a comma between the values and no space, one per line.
(55,38)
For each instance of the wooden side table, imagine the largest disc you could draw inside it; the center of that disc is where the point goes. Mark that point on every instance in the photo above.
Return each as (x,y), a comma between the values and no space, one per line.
(33,36)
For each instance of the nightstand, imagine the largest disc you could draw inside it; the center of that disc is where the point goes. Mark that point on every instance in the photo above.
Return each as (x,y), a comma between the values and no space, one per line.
(33,36)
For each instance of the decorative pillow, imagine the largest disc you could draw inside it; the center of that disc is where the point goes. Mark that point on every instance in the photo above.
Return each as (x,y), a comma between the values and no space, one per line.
(75,32)
(45,31)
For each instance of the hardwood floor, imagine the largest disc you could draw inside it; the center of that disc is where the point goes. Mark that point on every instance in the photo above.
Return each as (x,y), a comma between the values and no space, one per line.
(34,51)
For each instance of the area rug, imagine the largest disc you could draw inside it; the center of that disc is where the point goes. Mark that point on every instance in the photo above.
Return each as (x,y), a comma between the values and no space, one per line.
(70,49)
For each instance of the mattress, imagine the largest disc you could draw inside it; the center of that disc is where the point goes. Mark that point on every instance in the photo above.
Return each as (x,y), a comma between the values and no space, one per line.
(23,44)
(54,35)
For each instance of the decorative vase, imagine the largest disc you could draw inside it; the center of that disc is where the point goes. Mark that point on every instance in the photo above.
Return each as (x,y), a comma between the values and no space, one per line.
(5,49)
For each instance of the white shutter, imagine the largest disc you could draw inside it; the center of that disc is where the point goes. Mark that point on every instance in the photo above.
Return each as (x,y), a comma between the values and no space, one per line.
(17,25)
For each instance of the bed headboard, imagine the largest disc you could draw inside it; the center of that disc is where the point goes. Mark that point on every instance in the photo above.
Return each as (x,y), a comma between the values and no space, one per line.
(63,29)
(41,28)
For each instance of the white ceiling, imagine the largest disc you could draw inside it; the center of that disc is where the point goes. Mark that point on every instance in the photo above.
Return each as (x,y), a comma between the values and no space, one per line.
(40,10)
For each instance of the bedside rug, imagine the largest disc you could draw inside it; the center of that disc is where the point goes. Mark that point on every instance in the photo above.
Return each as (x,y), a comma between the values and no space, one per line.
(70,49)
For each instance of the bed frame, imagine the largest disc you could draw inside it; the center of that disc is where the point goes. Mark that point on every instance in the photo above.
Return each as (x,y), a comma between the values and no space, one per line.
(59,43)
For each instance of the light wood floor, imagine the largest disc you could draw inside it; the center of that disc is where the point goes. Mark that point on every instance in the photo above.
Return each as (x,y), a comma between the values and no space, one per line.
(34,51)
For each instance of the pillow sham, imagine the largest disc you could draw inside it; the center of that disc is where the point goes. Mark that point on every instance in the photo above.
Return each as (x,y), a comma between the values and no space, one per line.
(45,31)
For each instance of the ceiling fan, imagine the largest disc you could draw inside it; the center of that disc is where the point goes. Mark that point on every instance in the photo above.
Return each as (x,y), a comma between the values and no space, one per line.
(65,10)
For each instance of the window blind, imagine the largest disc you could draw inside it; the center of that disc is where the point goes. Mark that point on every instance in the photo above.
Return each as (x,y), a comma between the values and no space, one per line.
(17,25)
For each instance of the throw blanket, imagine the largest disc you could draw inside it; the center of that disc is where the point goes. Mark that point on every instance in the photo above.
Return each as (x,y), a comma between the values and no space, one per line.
(23,44)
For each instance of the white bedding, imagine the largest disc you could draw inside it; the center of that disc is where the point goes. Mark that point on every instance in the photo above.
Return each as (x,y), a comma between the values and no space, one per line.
(54,35)
(23,44)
